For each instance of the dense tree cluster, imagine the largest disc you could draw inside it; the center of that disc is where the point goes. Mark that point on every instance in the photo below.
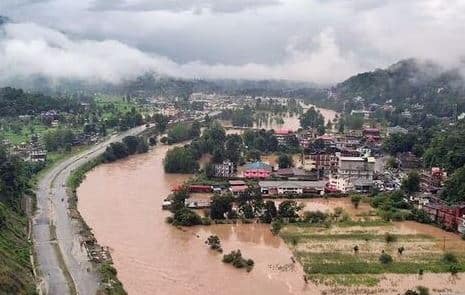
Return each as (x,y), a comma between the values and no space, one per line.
(285,161)
(447,148)
(61,138)
(14,178)
(454,188)
(119,150)
(182,132)
(180,160)
(14,102)
(262,140)
(312,118)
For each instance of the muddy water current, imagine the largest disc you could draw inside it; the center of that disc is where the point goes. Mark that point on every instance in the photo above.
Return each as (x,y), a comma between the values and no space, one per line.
(122,203)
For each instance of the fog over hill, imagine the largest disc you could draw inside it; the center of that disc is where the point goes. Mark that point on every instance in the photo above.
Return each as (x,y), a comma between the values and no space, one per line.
(323,42)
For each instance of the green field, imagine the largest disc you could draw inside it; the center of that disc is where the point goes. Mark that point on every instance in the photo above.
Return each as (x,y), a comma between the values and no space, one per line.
(327,253)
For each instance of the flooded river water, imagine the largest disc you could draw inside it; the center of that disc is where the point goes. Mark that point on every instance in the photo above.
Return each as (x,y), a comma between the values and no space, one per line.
(122,203)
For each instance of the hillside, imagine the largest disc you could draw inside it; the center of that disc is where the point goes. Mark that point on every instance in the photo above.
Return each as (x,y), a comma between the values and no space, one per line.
(408,82)
(15,269)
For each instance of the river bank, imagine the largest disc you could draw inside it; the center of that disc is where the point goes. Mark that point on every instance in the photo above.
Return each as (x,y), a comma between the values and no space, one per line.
(153,257)
(62,262)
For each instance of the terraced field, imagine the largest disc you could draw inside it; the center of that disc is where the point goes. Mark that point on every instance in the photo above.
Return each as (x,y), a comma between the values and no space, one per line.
(349,253)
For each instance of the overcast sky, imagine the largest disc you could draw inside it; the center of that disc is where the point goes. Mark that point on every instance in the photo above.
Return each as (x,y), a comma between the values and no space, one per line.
(322,41)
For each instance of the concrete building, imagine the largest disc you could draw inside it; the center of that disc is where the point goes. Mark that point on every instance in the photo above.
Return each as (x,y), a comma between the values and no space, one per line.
(292,187)
(358,171)
(356,167)
(225,169)
(284,136)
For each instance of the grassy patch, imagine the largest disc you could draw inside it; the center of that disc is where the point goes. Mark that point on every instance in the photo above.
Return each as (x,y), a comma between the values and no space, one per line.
(110,283)
(328,254)
(358,236)
(345,280)
(16,275)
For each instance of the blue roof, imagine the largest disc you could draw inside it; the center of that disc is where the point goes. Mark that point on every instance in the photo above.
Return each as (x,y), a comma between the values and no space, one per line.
(258,165)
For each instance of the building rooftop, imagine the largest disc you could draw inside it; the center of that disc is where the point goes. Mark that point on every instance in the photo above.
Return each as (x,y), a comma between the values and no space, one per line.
(358,159)
(257,166)
(293,184)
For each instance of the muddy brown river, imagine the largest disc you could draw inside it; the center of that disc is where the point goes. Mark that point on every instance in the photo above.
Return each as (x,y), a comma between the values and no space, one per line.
(122,203)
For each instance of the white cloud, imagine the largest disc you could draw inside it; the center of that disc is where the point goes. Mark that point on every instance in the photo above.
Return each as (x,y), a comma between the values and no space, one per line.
(315,40)
(28,49)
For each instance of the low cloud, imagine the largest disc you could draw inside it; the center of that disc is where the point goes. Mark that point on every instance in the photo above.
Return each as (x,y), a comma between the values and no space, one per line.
(223,6)
(323,41)
(28,49)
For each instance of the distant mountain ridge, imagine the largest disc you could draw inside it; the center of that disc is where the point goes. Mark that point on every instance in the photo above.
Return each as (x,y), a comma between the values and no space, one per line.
(420,82)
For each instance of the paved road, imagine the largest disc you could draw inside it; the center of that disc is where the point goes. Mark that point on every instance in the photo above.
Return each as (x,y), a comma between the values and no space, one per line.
(63,265)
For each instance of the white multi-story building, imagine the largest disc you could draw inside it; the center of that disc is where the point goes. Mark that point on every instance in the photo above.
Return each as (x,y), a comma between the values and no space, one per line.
(358,171)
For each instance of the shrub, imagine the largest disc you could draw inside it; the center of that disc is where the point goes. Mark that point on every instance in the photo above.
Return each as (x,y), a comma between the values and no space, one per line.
(385,258)
(235,258)
(400,250)
(454,269)
(276,226)
(186,217)
(315,216)
(214,242)
(355,199)
(422,290)
(206,221)
(389,238)
(449,258)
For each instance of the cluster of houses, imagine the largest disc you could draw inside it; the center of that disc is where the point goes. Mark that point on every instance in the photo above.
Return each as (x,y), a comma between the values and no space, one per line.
(343,163)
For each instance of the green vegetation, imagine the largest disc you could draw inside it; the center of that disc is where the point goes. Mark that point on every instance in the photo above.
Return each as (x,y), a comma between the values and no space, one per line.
(262,141)
(129,146)
(420,290)
(447,149)
(214,242)
(411,184)
(182,132)
(221,206)
(58,139)
(14,102)
(15,268)
(285,161)
(312,118)
(356,199)
(180,160)
(235,258)
(16,275)
(385,258)
(327,254)
(352,122)
(110,283)
(186,217)
(454,188)
(399,143)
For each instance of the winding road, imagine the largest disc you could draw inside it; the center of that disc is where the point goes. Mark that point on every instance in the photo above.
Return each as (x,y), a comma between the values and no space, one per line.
(62,263)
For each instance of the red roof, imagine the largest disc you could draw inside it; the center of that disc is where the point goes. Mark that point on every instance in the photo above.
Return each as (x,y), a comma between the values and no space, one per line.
(283,131)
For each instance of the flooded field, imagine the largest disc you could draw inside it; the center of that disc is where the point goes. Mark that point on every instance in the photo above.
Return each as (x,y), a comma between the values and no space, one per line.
(289,122)
(328,205)
(329,257)
(122,203)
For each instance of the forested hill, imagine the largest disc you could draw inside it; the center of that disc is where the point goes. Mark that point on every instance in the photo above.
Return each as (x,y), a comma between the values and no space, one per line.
(408,82)
(16,275)
(14,102)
